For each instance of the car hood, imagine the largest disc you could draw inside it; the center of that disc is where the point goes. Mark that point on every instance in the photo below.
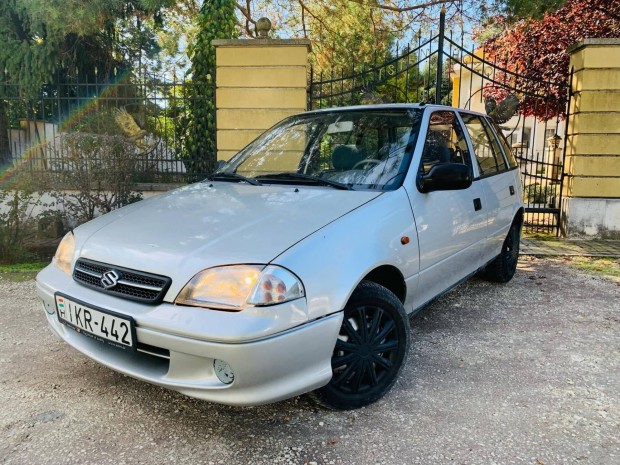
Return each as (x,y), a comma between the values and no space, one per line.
(203,225)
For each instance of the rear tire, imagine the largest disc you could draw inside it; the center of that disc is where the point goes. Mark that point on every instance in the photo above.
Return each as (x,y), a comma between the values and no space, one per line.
(370,351)
(504,266)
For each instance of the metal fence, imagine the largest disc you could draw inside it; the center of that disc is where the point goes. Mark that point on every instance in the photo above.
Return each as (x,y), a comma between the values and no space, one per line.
(147,118)
(534,117)
(407,75)
(443,68)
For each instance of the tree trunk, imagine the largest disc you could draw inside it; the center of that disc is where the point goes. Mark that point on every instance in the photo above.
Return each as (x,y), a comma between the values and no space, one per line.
(5,144)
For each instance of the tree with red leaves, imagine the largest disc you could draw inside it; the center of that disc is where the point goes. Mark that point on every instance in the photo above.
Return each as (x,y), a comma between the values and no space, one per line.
(534,53)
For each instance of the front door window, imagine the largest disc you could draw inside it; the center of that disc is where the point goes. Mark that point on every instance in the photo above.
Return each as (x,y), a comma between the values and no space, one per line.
(445,142)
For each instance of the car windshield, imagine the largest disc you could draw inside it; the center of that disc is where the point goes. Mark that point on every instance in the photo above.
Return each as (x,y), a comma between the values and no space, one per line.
(360,150)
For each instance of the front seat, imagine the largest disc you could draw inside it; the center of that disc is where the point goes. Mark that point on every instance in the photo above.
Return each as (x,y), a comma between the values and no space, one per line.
(436,151)
(345,157)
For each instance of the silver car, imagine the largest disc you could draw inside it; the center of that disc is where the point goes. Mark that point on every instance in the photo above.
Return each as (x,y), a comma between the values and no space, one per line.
(295,267)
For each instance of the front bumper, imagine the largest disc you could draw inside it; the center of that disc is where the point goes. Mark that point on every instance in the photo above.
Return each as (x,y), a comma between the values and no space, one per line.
(267,367)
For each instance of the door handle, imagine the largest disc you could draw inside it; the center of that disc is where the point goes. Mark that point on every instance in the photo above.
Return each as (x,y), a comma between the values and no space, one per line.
(512,190)
(477,204)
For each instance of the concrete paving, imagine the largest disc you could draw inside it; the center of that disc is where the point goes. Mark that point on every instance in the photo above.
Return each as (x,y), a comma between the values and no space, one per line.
(570,247)
(522,373)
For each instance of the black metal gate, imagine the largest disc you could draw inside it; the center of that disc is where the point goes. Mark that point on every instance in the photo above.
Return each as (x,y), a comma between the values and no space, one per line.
(442,69)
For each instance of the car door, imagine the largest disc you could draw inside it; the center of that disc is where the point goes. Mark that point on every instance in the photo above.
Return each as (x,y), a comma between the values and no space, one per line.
(496,178)
(451,225)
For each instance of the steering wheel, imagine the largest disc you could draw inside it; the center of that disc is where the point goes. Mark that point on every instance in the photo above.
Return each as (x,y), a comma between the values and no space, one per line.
(366,161)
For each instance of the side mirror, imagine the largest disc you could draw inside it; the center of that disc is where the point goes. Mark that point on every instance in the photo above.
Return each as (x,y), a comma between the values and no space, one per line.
(445,177)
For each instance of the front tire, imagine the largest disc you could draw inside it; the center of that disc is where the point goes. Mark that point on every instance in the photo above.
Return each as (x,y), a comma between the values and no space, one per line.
(504,266)
(370,351)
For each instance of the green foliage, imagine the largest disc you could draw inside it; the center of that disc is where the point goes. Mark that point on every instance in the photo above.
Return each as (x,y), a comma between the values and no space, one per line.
(46,39)
(346,33)
(398,81)
(23,267)
(537,193)
(519,9)
(427,82)
(17,221)
(180,29)
(216,21)
(45,42)
(607,267)
(172,123)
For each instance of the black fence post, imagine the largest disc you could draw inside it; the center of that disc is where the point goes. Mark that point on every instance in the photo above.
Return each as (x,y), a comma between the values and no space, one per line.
(442,31)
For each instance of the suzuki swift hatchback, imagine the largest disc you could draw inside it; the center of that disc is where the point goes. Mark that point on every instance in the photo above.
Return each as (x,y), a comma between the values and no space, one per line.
(295,266)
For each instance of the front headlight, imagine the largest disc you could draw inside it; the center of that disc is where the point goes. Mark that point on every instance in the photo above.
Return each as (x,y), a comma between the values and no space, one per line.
(64,253)
(232,287)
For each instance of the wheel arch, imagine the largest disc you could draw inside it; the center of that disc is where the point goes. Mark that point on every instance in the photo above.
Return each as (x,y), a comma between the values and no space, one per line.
(389,277)
(519,217)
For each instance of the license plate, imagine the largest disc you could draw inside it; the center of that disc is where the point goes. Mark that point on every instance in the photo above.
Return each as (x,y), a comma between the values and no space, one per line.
(101,325)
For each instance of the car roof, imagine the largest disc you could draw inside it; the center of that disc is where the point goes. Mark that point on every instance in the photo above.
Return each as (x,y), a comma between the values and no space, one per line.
(392,106)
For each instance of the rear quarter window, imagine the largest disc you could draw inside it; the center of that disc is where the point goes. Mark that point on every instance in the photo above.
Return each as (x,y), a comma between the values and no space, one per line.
(510,156)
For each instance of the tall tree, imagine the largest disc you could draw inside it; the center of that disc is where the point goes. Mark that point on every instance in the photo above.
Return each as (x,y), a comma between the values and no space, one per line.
(347,32)
(39,37)
(48,40)
(217,20)
(342,32)
(522,9)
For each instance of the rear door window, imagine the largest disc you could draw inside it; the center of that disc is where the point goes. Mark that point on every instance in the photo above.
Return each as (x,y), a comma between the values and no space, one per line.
(487,151)
(512,161)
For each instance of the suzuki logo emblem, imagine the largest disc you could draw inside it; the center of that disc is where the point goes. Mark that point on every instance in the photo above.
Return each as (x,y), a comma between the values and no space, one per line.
(110,279)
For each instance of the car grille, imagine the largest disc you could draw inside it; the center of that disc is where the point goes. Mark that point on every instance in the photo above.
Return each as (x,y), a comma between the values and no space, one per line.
(131,284)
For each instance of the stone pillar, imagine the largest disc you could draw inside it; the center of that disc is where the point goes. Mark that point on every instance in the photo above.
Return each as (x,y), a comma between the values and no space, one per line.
(592,165)
(259,82)
(554,155)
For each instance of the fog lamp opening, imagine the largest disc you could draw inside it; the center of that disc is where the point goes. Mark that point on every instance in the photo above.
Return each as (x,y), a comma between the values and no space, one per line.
(223,371)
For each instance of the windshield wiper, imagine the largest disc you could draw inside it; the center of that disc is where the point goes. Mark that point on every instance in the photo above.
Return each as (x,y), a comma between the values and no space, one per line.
(307,178)
(233,177)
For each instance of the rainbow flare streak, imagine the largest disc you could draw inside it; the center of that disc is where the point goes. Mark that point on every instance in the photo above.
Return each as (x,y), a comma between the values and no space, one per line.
(86,110)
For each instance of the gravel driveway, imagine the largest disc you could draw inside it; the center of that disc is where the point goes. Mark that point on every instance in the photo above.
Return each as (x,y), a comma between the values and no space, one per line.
(525,373)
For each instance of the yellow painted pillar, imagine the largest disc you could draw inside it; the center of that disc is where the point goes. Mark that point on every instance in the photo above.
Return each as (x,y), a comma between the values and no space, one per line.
(456,91)
(259,82)
(592,165)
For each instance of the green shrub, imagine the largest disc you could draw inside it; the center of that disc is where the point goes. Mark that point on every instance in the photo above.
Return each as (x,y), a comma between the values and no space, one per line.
(536,193)
(93,174)
(17,222)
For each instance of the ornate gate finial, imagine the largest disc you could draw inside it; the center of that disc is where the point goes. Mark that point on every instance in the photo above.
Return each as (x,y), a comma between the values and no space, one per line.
(263,26)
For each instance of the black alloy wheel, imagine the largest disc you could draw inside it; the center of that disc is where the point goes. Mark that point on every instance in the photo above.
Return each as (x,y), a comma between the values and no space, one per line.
(370,351)
(503,268)
(511,252)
